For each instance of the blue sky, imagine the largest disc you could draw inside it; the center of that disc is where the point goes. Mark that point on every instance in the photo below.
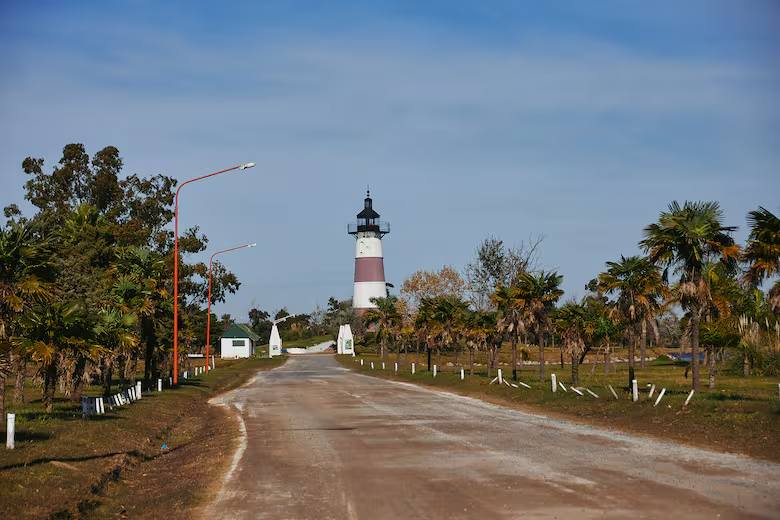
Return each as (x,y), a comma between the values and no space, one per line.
(579,121)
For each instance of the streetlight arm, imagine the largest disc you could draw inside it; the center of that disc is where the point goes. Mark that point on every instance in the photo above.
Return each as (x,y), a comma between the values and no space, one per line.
(231,249)
(176,262)
(282,319)
(208,309)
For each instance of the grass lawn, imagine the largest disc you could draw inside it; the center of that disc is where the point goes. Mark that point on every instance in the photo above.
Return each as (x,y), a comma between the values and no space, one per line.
(65,466)
(740,415)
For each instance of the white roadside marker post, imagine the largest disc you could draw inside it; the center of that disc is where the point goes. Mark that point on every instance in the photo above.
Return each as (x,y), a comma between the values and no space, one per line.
(592,393)
(525,385)
(361,362)
(396,367)
(563,387)
(372,365)
(138,389)
(689,398)
(434,370)
(413,367)
(159,385)
(383,365)
(170,381)
(554,383)
(100,408)
(660,395)
(576,390)
(613,391)
(634,391)
(10,429)
(500,377)
(652,391)
(462,374)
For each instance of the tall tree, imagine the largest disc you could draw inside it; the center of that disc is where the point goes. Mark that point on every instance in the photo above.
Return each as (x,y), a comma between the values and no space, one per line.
(25,273)
(540,291)
(569,320)
(762,251)
(53,332)
(496,264)
(384,318)
(638,287)
(684,239)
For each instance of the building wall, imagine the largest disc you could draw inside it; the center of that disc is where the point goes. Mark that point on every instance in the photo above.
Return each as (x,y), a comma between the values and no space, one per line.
(369,270)
(230,351)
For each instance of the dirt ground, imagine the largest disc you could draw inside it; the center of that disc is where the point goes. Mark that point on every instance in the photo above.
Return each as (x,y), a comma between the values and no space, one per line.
(115,466)
(321,441)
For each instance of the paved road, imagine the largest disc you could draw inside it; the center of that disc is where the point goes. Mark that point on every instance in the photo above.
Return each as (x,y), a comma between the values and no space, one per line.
(323,442)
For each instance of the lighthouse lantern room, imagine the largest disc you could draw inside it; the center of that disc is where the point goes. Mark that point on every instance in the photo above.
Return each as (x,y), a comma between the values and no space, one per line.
(369,261)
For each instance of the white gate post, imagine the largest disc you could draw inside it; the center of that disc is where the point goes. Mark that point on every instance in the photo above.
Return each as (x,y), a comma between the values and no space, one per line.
(10,430)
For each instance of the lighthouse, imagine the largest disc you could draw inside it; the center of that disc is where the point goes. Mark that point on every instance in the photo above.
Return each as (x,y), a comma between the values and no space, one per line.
(369,260)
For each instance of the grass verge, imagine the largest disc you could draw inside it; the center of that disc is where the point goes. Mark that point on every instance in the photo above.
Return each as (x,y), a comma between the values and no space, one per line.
(115,465)
(742,415)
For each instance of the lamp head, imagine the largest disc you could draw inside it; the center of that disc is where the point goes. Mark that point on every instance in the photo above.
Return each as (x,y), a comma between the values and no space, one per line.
(253,244)
(247,165)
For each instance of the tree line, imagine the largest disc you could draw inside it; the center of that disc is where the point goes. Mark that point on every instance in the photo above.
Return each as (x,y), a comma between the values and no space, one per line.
(694,286)
(86,279)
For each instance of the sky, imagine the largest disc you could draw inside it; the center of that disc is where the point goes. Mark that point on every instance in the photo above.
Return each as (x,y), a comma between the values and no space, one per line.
(576,121)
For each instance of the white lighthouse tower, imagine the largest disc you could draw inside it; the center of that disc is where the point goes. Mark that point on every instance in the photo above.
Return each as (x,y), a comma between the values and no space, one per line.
(369,260)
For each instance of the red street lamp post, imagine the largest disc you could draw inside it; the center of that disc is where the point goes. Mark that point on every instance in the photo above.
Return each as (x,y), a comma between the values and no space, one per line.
(208,311)
(176,262)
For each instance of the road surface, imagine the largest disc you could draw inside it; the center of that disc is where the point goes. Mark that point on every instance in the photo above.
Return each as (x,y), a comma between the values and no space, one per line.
(322,442)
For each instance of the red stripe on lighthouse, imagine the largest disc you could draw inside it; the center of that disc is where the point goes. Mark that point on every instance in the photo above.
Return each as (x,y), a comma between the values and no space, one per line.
(369,269)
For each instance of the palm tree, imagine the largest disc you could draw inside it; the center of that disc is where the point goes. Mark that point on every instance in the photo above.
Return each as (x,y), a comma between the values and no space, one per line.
(569,320)
(540,292)
(511,304)
(684,239)
(638,287)
(24,273)
(52,333)
(140,289)
(763,250)
(115,333)
(385,318)
(479,331)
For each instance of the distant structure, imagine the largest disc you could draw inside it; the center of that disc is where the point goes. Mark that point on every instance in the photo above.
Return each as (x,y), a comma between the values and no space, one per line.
(238,341)
(369,260)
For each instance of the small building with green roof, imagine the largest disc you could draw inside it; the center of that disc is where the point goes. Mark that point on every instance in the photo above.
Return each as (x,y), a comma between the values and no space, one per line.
(238,341)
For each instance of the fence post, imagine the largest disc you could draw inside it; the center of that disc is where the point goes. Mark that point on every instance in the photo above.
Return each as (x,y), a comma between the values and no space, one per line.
(434,370)
(10,430)
(372,365)
(554,382)
(396,367)
(634,391)
(159,385)
(413,366)
(689,398)
(462,374)
(500,377)
(138,389)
